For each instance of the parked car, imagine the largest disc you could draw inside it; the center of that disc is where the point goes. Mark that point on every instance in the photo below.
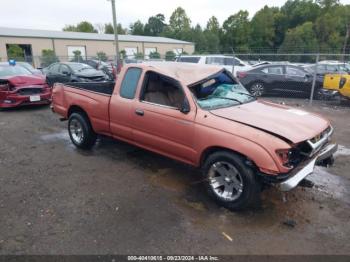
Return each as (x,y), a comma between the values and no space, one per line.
(30,68)
(202,116)
(108,69)
(73,72)
(226,61)
(336,84)
(283,79)
(19,87)
(329,67)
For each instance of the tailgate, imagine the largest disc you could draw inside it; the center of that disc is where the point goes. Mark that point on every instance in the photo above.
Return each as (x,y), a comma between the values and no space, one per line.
(95,105)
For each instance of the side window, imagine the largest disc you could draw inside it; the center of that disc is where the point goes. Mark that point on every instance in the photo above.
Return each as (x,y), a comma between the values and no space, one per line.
(291,71)
(162,90)
(332,68)
(276,70)
(321,69)
(63,69)
(130,81)
(54,68)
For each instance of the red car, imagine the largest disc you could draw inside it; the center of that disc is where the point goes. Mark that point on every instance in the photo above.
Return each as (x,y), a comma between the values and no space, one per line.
(19,87)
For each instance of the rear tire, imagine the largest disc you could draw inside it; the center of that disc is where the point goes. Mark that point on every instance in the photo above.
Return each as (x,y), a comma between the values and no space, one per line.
(80,131)
(230,182)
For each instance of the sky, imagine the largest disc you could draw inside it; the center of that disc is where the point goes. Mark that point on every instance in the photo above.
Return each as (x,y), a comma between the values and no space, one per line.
(55,14)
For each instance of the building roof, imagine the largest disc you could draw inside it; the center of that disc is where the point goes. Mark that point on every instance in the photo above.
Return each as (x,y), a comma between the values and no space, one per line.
(187,73)
(20,32)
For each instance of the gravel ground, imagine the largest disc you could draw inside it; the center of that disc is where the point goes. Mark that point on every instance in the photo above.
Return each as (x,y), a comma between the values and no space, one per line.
(119,199)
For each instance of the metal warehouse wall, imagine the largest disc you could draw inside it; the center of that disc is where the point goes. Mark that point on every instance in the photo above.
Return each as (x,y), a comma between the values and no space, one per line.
(92,46)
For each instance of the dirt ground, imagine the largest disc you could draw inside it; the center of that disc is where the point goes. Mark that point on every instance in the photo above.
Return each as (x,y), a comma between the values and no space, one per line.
(119,199)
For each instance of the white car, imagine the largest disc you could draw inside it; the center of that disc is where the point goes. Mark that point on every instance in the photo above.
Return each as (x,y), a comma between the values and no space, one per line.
(222,60)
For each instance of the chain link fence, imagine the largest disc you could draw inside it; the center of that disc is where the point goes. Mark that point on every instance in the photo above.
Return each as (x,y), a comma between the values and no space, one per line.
(311,78)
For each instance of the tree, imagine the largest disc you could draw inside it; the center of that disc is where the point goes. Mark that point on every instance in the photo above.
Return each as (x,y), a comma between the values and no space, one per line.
(83,26)
(154,55)
(236,32)
(262,30)
(108,29)
(77,56)
(155,25)
(170,56)
(213,25)
(212,35)
(48,57)
(179,25)
(101,56)
(139,56)
(328,3)
(301,39)
(197,36)
(15,52)
(137,28)
(297,12)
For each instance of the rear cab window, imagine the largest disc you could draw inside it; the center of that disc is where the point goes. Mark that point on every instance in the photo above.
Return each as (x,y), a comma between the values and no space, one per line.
(130,81)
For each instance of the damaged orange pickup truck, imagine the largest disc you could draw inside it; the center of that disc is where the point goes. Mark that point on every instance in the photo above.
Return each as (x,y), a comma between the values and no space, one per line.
(202,116)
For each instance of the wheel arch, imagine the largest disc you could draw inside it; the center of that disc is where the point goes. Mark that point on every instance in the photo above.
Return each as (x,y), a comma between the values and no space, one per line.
(213,149)
(76,109)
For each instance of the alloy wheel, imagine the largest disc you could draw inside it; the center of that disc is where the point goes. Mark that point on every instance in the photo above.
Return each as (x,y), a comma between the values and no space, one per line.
(257,89)
(225,181)
(76,130)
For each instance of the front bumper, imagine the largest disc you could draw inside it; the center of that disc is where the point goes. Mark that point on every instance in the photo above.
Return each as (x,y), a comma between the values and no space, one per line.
(328,93)
(15,100)
(299,173)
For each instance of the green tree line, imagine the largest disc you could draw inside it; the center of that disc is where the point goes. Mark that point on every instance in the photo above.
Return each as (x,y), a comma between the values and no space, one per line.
(299,26)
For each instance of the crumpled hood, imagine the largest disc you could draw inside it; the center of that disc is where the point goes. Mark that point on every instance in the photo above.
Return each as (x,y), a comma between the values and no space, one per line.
(292,124)
(25,80)
(89,73)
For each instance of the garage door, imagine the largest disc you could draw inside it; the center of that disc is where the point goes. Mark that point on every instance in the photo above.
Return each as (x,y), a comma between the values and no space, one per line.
(131,52)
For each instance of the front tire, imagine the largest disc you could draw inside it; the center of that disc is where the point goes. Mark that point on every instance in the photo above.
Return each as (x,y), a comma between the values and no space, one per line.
(80,131)
(257,89)
(230,182)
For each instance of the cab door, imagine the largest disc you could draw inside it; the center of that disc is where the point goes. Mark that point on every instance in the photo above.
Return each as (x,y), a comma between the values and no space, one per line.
(122,104)
(297,80)
(159,124)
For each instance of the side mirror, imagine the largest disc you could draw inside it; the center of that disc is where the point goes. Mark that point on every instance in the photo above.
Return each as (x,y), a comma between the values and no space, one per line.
(185,107)
(66,73)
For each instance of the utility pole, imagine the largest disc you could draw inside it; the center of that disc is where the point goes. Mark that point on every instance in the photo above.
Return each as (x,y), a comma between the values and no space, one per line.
(347,36)
(116,42)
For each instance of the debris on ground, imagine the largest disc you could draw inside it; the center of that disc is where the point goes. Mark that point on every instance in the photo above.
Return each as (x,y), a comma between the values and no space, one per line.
(227,236)
(289,223)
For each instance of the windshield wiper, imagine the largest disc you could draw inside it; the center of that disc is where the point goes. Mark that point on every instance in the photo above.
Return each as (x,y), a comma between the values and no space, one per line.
(227,98)
(242,93)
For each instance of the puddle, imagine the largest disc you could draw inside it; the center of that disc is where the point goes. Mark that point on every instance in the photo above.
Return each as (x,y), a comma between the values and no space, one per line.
(63,135)
(342,151)
(335,186)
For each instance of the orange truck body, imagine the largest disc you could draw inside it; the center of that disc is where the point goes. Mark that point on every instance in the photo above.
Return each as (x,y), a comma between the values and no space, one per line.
(256,130)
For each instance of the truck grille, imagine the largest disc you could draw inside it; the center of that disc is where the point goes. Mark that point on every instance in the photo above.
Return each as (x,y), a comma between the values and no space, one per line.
(316,143)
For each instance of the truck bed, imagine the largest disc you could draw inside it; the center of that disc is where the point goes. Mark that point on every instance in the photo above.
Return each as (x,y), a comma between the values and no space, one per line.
(106,88)
(92,97)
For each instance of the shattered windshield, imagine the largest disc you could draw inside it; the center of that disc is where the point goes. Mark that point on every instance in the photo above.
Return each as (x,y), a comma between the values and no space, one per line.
(221,91)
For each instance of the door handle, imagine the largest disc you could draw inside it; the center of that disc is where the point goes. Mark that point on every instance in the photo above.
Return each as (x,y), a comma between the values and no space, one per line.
(139,112)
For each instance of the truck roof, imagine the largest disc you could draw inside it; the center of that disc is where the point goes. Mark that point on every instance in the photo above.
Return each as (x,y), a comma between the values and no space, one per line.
(186,73)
